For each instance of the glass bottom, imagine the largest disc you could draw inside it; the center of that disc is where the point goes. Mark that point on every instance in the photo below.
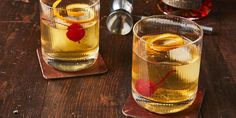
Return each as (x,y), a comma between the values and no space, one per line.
(162,108)
(72,65)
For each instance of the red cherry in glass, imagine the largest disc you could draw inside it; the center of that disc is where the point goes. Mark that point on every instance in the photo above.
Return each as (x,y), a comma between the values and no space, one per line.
(145,87)
(75,32)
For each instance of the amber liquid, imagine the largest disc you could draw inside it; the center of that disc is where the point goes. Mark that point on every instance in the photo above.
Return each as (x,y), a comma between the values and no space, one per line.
(175,91)
(194,14)
(64,54)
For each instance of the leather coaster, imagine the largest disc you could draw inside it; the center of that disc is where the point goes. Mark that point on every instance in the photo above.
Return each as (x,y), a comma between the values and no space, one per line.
(50,73)
(132,109)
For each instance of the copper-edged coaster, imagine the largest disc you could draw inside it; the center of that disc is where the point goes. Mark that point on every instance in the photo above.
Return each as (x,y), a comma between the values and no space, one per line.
(50,73)
(132,109)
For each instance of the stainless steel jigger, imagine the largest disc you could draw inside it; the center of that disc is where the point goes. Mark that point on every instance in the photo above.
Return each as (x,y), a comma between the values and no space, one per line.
(120,20)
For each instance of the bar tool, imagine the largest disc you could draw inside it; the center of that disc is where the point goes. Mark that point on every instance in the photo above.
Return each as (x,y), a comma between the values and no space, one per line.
(120,20)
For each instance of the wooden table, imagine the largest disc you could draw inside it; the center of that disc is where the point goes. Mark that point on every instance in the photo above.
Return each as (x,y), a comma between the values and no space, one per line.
(25,93)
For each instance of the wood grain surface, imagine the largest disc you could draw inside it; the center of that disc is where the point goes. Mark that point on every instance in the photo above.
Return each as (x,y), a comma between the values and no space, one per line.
(25,94)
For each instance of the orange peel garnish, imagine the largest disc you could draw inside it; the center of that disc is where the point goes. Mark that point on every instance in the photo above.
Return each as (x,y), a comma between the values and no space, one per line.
(74,10)
(163,42)
(75,14)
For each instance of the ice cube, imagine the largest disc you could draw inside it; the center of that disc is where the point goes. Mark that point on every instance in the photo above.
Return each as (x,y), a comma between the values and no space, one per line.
(180,54)
(60,24)
(189,71)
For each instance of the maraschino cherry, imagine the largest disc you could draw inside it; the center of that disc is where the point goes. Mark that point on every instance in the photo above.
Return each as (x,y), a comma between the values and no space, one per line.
(147,87)
(75,32)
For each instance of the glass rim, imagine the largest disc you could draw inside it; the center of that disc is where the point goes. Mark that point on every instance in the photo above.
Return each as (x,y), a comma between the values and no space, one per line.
(169,16)
(89,6)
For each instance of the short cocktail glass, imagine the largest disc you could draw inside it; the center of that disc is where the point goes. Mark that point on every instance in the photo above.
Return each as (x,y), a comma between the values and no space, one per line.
(70,33)
(166,63)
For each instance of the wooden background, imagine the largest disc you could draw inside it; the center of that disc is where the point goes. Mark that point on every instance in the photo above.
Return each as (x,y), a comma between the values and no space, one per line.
(24,92)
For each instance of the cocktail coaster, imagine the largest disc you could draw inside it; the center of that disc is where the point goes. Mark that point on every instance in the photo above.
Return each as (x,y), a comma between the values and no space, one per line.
(50,73)
(132,109)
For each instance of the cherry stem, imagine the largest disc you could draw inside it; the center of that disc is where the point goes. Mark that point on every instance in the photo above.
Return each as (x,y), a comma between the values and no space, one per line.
(165,77)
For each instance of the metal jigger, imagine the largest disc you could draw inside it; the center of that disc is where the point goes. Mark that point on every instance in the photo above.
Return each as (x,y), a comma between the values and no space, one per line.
(120,20)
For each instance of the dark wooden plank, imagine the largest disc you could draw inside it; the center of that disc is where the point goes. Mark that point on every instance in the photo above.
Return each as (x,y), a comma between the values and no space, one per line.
(220,92)
(25,11)
(23,88)
(218,73)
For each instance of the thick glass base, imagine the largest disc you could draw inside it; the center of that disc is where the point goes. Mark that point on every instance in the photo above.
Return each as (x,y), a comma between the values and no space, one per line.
(202,12)
(72,65)
(162,108)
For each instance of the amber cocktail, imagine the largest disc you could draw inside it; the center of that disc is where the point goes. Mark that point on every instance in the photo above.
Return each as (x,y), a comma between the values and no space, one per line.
(166,63)
(70,33)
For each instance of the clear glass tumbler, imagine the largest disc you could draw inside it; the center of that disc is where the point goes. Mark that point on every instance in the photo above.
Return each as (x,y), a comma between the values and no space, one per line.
(166,63)
(70,33)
